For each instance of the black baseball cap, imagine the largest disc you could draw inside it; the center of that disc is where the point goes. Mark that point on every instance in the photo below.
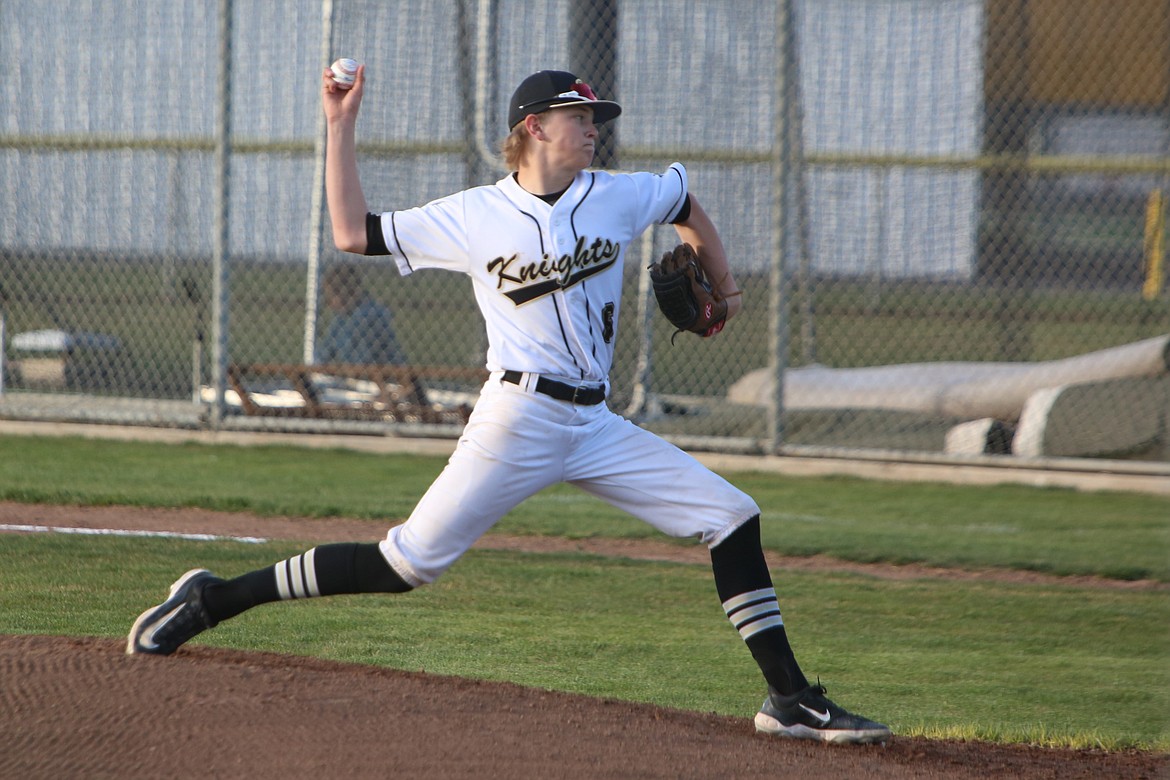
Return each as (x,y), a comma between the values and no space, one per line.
(554,89)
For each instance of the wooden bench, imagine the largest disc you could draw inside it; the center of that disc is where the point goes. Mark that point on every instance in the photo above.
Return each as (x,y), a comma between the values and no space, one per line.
(352,391)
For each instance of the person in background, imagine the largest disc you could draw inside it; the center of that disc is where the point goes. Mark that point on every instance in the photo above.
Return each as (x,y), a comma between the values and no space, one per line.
(361,329)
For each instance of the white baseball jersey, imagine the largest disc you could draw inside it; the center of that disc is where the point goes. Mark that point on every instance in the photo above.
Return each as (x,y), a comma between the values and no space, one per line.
(547,278)
(548,281)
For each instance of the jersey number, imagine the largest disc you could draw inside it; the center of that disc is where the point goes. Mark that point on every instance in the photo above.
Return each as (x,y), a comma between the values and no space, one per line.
(607,322)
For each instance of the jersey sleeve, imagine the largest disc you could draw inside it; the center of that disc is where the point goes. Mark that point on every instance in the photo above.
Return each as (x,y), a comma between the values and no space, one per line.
(660,196)
(430,236)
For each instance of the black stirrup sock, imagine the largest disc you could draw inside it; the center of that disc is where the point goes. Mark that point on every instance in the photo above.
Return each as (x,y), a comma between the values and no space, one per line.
(328,570)
(749,599)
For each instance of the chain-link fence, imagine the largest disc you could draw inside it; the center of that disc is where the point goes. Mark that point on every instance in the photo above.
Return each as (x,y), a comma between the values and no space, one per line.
(948,216)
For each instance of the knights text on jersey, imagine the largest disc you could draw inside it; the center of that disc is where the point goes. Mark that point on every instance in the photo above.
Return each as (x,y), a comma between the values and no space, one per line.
(547,278)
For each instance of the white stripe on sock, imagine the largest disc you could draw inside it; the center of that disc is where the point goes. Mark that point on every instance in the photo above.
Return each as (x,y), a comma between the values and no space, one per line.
(297,575)
(751,629)
(746,598)
(311,572)
(747,613)
(281,571)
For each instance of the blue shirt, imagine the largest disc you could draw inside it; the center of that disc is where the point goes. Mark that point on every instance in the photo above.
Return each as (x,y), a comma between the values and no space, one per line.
(364,335)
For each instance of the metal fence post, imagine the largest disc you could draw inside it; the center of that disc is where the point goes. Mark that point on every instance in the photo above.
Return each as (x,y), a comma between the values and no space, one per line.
(221,253)
(640,397)
(782,194)
(317,217)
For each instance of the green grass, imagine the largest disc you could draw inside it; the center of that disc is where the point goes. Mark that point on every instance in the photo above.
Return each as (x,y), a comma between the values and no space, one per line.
(1049,664)
(1059,531)
(1010,663)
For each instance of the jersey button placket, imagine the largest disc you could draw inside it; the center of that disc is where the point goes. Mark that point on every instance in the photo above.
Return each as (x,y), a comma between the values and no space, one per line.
(564,243)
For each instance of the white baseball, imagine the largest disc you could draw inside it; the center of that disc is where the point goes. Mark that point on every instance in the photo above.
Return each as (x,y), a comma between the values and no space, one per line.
(344,72)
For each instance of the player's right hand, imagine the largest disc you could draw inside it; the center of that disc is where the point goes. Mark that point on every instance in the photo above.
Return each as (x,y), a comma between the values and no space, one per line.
(338,101)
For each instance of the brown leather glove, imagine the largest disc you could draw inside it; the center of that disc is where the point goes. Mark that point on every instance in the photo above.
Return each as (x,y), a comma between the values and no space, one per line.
(685,296)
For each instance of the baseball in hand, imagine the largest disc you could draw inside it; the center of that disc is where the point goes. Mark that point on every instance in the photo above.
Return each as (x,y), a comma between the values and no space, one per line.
(344,72)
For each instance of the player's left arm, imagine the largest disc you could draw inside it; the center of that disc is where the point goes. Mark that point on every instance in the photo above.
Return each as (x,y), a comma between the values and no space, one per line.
(699,231)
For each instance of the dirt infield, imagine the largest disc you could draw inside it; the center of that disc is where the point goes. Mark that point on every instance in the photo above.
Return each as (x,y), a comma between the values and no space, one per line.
(79,707)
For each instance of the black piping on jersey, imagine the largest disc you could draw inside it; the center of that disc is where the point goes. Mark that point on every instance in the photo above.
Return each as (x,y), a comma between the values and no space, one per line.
(565,336)
(397,243)
(678,203)
(589,319)
(573,225)
(536,222)
(581,277)
(573,213)
(535,291)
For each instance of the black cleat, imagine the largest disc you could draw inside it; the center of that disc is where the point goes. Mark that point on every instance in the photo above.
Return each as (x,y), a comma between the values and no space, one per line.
(161,630)
(810,715)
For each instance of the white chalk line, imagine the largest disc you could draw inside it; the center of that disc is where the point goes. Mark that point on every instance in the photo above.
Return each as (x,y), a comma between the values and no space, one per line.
(127,532)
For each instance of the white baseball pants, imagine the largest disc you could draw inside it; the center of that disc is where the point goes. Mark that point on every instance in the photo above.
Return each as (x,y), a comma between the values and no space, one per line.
(518,442)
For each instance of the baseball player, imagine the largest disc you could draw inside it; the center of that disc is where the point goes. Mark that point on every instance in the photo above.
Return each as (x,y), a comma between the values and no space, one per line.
(544,250)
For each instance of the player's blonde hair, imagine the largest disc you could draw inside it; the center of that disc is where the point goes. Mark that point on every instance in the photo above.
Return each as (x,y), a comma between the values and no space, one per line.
(512,147)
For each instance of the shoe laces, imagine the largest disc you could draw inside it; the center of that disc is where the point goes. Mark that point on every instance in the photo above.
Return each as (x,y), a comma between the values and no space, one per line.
(811,693)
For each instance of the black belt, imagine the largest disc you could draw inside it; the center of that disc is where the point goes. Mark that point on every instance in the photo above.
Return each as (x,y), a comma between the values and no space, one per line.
(585,396)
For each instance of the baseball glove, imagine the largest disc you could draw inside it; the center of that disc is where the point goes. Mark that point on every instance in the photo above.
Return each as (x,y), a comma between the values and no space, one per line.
(685,296)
